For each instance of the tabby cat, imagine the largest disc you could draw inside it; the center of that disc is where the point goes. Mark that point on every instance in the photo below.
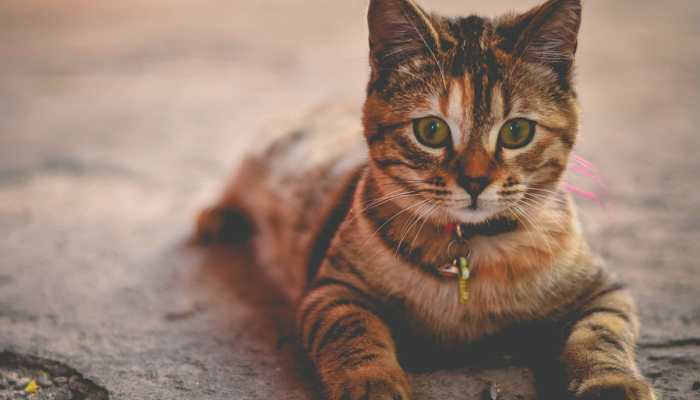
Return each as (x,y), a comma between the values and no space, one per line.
(443,227)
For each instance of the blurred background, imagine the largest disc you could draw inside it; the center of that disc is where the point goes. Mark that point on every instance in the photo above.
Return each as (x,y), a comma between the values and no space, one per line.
(119,120)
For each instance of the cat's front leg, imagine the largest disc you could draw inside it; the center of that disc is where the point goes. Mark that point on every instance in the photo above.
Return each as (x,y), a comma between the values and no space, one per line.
(600,353)
(350,345)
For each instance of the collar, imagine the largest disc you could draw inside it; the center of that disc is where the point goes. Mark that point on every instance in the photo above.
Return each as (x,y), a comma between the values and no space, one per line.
(464,232)
(461,268)
(492,227)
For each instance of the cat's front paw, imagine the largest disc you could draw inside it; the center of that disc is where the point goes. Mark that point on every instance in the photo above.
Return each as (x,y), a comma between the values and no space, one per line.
(615,387)
(386,387)
(222,225)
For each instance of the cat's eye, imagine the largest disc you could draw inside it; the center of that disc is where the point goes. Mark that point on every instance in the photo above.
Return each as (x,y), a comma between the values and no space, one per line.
(432,132)
(517,133)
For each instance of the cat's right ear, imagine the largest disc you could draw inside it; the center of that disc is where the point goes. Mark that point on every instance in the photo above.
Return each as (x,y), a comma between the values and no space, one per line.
(399,30)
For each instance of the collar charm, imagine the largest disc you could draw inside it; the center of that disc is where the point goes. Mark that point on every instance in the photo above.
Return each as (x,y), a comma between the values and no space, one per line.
(464,275)
(461,269)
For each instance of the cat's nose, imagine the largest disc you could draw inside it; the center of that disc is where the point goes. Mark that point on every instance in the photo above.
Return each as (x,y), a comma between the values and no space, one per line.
(474,185)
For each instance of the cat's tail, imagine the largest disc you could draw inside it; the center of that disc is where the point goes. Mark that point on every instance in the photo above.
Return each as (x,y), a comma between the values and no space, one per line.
(223,223)
(231,220)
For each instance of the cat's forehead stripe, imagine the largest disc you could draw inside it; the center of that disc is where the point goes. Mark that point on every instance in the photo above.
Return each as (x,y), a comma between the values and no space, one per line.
(456,105)
(468,49)
(473,59)
(466,109)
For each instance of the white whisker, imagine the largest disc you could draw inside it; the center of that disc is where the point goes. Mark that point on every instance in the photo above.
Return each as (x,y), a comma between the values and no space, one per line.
(393,217)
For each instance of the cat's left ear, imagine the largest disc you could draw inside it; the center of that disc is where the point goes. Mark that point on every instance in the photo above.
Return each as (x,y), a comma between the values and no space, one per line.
(547,34)
(399,30)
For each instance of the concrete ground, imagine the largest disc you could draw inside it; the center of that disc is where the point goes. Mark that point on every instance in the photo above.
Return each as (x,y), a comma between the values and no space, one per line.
(118,120)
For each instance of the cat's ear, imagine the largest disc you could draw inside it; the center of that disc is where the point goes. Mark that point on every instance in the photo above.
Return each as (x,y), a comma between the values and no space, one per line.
(398,30)
(547,34)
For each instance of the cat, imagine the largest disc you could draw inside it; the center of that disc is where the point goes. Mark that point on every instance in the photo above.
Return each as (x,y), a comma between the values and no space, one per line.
(438,216)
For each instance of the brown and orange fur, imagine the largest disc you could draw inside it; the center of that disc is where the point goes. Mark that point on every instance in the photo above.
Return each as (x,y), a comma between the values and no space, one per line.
(357,222)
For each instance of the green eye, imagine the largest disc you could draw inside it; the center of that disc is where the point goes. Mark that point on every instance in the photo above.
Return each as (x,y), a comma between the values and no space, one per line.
(432,132)
(517,133)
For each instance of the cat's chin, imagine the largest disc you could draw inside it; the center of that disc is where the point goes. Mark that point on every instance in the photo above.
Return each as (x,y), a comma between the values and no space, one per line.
(470,216)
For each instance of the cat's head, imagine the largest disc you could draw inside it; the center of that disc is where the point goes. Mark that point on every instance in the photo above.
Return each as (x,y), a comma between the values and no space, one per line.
(474,116)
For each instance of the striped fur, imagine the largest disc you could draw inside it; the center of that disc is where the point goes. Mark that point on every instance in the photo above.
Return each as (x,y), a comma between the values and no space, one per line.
(355,224)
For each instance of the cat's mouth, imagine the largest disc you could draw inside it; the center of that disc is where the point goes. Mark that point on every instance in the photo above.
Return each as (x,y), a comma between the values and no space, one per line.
(475,215)
(476,211)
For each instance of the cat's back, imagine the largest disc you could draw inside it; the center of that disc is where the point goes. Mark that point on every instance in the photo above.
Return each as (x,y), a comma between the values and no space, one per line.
(326,140)
(293,179)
